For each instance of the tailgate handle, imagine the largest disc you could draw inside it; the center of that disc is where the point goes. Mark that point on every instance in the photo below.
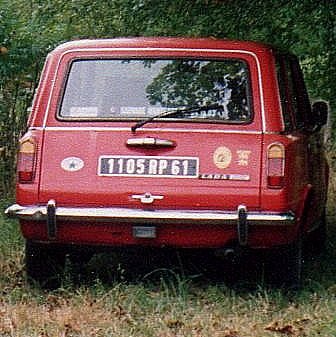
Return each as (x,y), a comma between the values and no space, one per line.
(150,142)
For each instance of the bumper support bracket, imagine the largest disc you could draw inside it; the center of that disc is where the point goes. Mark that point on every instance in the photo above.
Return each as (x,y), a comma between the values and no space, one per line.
(242,225)
(51,219)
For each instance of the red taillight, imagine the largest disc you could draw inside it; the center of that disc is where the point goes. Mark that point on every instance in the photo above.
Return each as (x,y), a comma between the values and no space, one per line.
(26,161)
(276,165)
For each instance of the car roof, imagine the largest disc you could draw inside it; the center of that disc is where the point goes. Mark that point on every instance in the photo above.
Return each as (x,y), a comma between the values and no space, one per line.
(164,43)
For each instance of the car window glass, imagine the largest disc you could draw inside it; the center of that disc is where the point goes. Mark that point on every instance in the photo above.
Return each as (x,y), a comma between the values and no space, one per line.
(284,93)
(293,97)
(128,89)
(303,106)
(292,94)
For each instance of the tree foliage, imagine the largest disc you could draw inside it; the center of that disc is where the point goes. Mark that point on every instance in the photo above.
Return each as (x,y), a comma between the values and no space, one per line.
(188,83)
(29,29)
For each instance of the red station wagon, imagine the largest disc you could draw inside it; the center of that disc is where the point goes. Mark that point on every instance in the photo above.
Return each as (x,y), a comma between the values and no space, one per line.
(171,142)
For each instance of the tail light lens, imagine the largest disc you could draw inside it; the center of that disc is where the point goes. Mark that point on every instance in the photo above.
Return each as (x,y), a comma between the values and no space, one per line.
(26,161)
(276,165)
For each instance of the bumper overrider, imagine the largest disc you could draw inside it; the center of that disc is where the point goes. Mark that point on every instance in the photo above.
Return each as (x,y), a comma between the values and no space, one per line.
(242,218)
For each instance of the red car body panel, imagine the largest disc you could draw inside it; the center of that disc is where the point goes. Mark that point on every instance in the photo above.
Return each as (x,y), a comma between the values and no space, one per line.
(233,159)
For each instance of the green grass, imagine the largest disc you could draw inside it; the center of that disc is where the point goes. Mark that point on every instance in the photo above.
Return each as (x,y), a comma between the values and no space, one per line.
(163,302)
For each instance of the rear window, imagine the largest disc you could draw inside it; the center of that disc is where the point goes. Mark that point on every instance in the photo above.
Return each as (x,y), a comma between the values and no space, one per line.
(136,89)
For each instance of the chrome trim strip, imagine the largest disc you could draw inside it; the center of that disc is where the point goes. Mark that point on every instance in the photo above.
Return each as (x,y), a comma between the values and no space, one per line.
(108,129)
(109,214)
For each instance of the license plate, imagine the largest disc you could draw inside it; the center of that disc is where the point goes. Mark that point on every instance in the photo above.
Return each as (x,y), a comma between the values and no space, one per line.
(148,166)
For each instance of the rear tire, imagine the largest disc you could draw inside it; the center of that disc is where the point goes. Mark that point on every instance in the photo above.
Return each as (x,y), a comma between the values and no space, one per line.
(284,268)
(316,240)
(79,259)
(44,264)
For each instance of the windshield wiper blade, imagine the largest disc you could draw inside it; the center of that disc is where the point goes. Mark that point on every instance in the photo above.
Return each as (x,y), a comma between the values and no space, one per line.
(175,112)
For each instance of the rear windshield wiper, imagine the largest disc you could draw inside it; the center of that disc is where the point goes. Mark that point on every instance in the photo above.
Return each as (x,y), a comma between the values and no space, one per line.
(176,112)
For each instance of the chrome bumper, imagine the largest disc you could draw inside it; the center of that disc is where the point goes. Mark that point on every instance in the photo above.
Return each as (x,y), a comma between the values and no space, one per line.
(138,216)
(241,218)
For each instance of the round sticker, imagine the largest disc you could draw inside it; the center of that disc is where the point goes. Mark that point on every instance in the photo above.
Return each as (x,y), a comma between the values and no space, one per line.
(72,164)
(222,157)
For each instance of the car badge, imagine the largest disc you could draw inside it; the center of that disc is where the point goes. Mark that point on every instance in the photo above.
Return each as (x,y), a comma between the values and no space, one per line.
(222,157)
(72,164)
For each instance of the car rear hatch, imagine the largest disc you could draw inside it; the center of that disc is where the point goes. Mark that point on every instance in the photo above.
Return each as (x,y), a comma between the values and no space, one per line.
(149,133)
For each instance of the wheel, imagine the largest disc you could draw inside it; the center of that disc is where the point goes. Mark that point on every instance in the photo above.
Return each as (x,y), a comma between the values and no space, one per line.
(79,259)
(294,256)
(284,266)
(316,240)
(44,264)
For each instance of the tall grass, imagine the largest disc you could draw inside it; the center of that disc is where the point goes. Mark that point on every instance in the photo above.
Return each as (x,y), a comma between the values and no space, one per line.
(163,302)
(11,251)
